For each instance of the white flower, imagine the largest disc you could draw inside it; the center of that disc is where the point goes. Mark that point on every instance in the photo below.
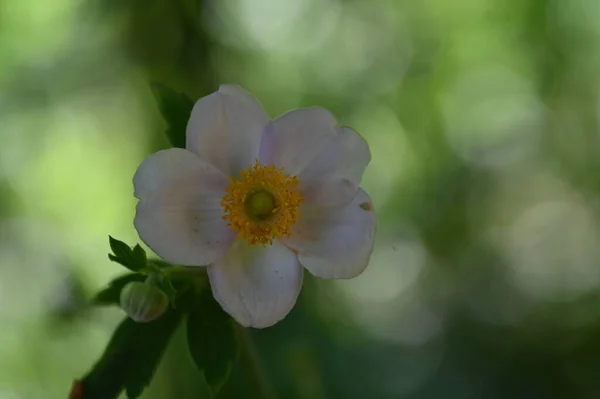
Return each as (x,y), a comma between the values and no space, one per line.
(255,199)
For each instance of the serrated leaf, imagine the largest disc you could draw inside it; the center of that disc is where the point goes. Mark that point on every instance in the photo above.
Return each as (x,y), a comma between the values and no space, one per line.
(111,294)
(212,341)
(130,359)
(133,260)
(175,109)
(139,257)
(119,248)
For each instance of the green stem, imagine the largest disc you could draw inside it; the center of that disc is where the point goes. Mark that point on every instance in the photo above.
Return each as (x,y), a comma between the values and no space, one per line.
(253,364)
(151,279)
(196,274)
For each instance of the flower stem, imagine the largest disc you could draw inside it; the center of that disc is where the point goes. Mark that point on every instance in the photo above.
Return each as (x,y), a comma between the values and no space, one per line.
(252,362)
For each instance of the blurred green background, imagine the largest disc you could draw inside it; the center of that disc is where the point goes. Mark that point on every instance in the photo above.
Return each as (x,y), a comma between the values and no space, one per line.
(482,117)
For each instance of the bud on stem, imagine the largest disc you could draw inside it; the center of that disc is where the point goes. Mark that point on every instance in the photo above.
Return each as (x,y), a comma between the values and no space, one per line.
(144,301)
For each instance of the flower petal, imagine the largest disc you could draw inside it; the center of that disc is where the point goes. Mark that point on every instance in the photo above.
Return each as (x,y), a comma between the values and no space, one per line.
(308,143)
(328,192)
(293,140)
(258,286)
(346,156)
(179,213)
(225,129)
(357,155)
(335,242)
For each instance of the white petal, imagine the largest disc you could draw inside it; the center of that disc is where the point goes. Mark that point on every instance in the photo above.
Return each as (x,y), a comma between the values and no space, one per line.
(257,286)
(335,242)
(225,129)
(328,192)
(345,157)
(295,139)
(308,143)
(179,213)
(356,156)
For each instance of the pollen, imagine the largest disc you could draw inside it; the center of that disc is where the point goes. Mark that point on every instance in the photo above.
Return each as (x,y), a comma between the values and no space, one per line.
(262,204)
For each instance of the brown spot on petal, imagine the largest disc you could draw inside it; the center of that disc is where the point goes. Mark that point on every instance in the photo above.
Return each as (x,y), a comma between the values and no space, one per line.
(366,206)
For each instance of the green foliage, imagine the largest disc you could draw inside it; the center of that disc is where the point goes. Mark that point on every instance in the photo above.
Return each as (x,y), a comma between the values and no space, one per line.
(133,259)
(134,351)
(176,109)
(111,294)
(139,256)
(211,341)
(131,357)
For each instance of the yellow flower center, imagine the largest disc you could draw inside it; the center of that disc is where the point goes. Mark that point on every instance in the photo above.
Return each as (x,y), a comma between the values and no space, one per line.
(262,204)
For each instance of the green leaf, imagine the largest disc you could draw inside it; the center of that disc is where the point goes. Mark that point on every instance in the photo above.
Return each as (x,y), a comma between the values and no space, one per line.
(139,256)
(111,294)
(130,359)
(176,109)
(119,248)
(134,260)
(211,341)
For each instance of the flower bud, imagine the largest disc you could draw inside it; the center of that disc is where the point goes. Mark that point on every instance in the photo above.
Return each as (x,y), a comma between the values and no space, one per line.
(143,302)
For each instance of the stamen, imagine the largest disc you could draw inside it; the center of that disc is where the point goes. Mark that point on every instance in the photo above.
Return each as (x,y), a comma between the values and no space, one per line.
(262,204)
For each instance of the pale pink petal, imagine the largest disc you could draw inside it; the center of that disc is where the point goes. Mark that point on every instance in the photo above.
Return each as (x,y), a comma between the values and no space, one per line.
(258,286)
(357,156)
(335,242)
(295,139)
(309,144)
(179,213)
(345,157)
(329,192)
(225,129)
